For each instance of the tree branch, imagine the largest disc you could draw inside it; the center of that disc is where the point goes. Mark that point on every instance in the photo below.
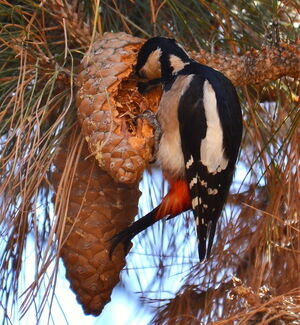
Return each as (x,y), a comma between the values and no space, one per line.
(256,66)
(75,24)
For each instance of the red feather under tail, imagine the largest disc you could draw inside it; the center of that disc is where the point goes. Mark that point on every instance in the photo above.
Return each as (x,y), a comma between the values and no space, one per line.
(176,201)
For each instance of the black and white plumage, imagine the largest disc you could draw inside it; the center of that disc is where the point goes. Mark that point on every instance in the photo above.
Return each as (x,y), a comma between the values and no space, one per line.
(201,124)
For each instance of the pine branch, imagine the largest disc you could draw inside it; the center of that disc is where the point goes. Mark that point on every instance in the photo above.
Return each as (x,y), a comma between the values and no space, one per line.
(187,304)
(256,66)
(66,13)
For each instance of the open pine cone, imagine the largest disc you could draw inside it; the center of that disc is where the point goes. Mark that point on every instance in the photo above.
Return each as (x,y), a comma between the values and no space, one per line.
(108,102)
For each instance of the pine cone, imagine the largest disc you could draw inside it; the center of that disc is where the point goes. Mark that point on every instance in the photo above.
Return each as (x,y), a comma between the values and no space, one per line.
(97,209)
(108,102)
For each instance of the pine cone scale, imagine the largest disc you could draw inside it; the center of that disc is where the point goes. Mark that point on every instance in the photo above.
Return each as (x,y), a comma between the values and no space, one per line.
(108,101)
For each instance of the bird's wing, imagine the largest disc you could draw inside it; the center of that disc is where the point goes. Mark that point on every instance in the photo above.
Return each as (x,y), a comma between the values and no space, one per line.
(208,170)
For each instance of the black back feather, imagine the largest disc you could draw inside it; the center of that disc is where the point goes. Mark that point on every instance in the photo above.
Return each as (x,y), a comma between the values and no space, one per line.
(193,127)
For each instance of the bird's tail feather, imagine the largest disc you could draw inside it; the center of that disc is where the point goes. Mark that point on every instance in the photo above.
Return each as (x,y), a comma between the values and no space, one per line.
(128,233)
(176,201)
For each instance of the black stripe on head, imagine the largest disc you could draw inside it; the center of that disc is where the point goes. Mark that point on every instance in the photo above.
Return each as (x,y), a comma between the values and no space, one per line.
(168,47)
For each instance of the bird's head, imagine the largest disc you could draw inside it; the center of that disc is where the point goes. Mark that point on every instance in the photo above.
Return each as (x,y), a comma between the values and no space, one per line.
(160,57)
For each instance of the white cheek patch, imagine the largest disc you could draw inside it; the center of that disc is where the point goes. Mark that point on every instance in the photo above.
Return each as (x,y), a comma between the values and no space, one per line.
(211,149)
(151,68)
(176,63)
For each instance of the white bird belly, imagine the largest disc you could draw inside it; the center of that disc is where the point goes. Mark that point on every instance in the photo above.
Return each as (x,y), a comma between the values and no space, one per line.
(170,155)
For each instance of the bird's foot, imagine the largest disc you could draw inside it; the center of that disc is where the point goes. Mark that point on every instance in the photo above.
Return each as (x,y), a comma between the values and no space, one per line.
(150,117)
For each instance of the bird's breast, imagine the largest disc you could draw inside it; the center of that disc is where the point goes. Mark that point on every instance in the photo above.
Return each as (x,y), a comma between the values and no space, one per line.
(170,154)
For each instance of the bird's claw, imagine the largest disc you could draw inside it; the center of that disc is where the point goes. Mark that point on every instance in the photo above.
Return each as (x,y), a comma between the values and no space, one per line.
(150,117)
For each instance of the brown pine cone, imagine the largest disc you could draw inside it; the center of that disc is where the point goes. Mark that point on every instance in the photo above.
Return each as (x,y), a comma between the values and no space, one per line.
(108,102)
(97,209)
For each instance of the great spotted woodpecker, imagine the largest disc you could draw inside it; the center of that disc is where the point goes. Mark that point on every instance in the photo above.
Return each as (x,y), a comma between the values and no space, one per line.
(201,129)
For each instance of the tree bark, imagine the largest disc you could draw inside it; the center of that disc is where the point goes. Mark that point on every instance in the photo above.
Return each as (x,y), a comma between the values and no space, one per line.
(256,66)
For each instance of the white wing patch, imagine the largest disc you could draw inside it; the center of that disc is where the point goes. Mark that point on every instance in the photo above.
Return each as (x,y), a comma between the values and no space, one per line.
(212,191)
(189,162)
(195,202)
(203,183)
(193,182)
(211,149)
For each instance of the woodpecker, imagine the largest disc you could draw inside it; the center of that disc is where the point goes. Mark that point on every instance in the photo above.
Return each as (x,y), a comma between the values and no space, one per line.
(201,128)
